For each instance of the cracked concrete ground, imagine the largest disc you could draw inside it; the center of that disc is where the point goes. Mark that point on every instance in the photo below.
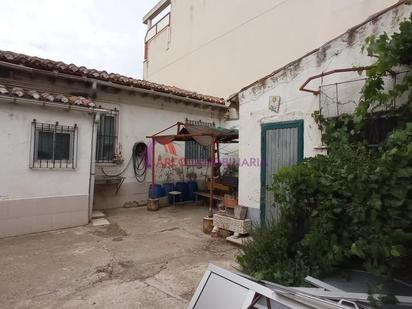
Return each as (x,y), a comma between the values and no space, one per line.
(142,260)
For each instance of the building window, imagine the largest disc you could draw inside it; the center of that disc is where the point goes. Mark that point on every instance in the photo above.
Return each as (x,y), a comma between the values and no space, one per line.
(53,145)
(196,154)
(378,128)
(106,139)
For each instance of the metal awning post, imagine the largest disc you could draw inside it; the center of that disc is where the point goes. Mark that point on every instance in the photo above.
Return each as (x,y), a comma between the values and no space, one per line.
(218,158)
(212,177)
(153,161)
(218,135)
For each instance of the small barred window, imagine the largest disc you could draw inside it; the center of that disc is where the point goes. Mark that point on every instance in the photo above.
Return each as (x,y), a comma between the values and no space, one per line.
(195,153)
(106,139)
(53,145)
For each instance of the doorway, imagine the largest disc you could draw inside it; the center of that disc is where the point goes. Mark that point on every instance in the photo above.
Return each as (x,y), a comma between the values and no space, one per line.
(282,146)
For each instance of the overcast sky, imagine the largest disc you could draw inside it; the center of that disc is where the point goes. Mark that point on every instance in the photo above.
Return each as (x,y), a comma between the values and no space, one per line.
(101,34)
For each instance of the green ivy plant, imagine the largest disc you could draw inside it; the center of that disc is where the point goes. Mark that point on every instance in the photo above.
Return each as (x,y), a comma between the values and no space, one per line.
(351,208)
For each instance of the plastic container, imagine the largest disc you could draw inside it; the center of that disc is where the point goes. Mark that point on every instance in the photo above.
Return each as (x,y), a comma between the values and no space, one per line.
(192,187)
(184,188)
(167,187)
(155,191)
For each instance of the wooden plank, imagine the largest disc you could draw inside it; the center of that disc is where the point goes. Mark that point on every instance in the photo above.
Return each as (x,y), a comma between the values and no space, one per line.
(205,194)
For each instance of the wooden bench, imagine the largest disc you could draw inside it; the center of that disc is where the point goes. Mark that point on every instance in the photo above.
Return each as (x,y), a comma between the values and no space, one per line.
(207,195)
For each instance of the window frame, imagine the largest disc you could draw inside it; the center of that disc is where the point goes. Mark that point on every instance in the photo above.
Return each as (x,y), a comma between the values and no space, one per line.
(203,155)
(99,146)
(197,156)
(54,128)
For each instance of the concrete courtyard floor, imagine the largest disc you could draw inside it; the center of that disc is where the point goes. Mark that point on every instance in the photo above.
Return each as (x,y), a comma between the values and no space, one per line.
(142,260)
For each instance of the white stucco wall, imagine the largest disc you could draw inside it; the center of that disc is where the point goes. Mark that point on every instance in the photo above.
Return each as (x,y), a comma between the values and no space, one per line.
(217,47)
(344,52)
(40,199)
(17,179)
(140,117)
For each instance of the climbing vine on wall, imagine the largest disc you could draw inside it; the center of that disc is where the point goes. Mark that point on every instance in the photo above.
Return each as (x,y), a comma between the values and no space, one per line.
(351,208)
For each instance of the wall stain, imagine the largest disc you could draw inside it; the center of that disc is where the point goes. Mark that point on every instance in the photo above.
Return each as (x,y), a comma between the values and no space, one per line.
(322,54)
(351,37)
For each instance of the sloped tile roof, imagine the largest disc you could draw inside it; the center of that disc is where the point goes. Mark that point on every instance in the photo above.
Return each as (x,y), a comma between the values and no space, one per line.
(44,96)
(71,69)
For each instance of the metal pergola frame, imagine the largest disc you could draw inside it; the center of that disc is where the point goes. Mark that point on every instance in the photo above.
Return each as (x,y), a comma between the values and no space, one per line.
(217,137)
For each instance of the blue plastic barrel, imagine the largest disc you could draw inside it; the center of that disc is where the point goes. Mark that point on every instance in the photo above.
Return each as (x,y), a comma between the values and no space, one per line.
(182,187)
(155,191)
(167,187)
(192,187)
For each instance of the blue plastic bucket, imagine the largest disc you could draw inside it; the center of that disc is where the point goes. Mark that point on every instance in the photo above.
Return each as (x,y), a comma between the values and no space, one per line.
(192,188)
(167,187)
(182,187)
(155,191)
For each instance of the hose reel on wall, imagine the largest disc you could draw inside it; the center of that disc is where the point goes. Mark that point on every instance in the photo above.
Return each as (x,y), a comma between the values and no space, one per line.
(139,159)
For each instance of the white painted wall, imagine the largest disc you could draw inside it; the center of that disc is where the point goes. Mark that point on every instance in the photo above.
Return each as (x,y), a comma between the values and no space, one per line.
(138,118)
(40,199)
(343,52)
(217,47)
(17,179)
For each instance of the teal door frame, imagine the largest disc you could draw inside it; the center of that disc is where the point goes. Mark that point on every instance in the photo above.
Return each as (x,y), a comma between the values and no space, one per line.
(264,128)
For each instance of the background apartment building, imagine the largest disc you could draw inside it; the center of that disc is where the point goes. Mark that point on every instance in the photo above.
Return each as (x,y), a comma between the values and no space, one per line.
(218,47)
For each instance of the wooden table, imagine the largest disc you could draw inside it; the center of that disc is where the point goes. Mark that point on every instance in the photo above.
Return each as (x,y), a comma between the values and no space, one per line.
(174,194)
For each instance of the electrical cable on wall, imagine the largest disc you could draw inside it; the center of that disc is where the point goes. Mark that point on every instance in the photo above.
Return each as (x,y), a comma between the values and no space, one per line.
(139,159)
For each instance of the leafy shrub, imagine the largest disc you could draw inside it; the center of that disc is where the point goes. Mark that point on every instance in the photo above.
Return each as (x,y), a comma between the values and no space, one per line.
(353,207)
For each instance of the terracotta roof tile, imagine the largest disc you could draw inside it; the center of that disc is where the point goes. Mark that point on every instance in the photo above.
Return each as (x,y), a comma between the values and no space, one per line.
(45,96)
(3,90)
(72,69)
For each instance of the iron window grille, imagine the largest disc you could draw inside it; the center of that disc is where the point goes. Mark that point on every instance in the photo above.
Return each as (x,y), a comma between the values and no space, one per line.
(53,145)
(195,153)
(106,139)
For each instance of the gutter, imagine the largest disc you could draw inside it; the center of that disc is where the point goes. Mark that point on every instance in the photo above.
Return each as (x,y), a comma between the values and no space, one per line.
(92,176)
(113,85)
(17,100)
(162,94)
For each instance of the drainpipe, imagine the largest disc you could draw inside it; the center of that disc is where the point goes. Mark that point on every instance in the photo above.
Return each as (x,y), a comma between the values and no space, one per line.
(212,177)
(345,70)
(96,118)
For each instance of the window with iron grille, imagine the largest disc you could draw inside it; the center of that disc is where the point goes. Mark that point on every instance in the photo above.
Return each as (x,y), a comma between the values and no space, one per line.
(378,128)
(106,139)
(53,145)
(196,154)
